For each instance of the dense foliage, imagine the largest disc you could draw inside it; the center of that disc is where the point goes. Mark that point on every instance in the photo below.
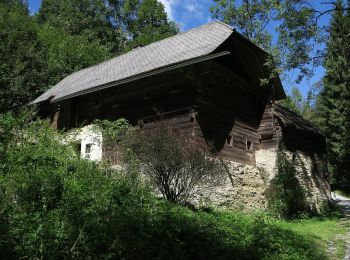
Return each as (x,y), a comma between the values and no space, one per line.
(54,205)
(23,72)
(88,19)
(147,22)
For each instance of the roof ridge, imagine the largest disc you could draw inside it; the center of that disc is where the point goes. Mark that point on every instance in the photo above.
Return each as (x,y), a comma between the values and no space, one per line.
(225,24)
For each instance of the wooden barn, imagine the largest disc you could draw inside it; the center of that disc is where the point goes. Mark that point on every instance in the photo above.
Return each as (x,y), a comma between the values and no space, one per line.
(205,82)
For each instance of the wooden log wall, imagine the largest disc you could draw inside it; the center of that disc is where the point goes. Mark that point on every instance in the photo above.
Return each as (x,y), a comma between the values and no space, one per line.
(270,132)
(61,115)
(228,115)
(138,100)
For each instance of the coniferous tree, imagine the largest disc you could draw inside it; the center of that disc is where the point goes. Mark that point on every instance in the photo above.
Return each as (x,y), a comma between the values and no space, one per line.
(334,100)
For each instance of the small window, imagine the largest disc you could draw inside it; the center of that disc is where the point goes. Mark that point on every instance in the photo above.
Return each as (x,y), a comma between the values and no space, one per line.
(174,91)
(229,140)
(98,102)
(249,145)
(88,148)
(147,96)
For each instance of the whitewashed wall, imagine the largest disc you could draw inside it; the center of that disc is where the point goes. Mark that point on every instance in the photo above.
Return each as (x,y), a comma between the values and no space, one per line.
(90,141)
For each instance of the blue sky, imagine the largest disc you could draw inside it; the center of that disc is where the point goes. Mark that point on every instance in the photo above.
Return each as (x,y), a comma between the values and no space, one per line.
(192,13)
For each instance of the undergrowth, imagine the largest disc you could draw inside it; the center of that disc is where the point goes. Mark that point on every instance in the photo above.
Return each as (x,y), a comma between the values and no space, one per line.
(54,205)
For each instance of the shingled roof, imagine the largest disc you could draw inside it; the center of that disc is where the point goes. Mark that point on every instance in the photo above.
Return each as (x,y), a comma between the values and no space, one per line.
(289,119)
(195,43)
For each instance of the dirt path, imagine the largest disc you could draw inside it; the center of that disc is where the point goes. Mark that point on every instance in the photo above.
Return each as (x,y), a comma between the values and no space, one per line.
(344,204)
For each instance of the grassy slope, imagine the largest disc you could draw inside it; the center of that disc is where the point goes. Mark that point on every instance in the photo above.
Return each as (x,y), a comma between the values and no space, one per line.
(259,236)
(247,236)
(328,233)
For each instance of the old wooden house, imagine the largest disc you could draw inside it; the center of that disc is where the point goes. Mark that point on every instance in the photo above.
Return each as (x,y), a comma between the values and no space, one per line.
(206,82)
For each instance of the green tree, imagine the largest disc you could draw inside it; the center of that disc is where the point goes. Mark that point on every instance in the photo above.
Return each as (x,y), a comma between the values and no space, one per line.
(147,22)
(114,23)
(292,21)
(23,73)
(65,53)
(334,100)
(301,105)
(294,101)
(90,19)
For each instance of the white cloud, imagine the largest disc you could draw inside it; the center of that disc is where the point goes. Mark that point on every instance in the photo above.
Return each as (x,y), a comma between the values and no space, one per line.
(187,13)
(193,7)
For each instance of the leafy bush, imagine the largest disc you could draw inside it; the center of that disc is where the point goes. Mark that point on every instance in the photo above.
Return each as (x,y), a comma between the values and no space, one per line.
(287,198)
(173,162)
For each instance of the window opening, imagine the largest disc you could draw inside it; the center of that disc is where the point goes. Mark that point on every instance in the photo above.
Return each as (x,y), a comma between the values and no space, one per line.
(98,102)
(229,140)
(249,145)
(88,148)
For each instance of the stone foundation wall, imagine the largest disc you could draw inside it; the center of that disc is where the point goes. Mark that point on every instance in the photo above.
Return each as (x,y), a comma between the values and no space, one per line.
(244,188)
(266,161)
(310,172)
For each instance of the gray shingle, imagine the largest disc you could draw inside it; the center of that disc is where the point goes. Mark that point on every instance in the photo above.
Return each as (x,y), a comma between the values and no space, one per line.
(194,43)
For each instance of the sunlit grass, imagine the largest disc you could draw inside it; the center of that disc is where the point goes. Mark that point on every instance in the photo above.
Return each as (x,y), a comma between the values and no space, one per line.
(329,233)
(343,193)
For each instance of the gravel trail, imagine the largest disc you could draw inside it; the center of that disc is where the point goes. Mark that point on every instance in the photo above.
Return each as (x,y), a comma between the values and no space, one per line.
(344,204)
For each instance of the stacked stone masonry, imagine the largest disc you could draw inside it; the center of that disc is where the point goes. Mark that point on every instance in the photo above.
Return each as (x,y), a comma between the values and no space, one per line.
(245,186)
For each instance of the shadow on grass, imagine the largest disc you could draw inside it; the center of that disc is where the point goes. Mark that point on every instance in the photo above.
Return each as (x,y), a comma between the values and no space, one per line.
(177,233)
